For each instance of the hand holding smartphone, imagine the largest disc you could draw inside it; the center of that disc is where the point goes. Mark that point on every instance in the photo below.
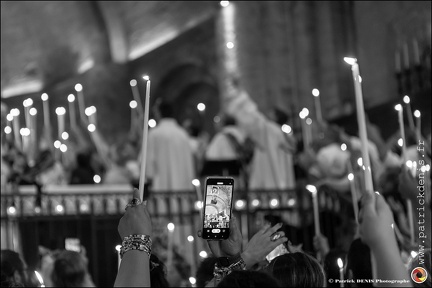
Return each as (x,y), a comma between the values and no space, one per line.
(217,208)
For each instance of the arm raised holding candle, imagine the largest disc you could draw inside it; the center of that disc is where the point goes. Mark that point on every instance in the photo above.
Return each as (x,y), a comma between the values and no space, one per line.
(376,219)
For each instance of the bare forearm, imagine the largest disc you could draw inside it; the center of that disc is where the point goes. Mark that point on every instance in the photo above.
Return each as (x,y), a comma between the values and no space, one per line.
(134,270)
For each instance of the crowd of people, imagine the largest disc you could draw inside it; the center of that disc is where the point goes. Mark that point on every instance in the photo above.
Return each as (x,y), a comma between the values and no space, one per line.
(377,252)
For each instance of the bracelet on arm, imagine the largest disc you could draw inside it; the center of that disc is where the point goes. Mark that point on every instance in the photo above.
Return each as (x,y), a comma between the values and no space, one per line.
(136,242)
(220,271)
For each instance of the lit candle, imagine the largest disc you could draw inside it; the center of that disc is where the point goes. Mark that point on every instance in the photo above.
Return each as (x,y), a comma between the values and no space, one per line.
(191,240)
(60,111)
(137,97)
(316,93)
(361,120)
(309,130)
(117,248)
(416,52)
(33,135)
(399,108)
(406,55)
(201,108)
(72,115)
(81,105)
(303,114)
(25,133)
(27,103)
(341,272)
(144,138)
(417,114)
(407,100)
(47,121)
(314,191)
(170,227)
(16,127)
(133,104)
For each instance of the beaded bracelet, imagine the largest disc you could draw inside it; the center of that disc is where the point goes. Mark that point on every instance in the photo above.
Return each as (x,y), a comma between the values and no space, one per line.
(221,272)
(136,242)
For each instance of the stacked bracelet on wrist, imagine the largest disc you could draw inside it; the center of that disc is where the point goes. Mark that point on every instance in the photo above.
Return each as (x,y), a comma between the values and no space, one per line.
(136,242)
(220,272)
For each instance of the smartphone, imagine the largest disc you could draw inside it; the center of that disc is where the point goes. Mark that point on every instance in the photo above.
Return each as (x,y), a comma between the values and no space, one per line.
(218,207)
(73,244)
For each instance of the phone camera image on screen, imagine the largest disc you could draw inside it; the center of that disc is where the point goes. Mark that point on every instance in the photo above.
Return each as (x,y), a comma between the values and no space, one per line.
(217,209)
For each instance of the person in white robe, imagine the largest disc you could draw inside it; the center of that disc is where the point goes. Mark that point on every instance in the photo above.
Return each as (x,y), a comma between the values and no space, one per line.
(272,165)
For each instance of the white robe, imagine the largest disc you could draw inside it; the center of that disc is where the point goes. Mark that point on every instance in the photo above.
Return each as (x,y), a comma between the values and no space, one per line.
(272,164)
(169,157)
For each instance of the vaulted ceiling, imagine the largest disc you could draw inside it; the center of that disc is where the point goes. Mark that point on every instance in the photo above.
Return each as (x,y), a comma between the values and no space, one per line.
(76,35)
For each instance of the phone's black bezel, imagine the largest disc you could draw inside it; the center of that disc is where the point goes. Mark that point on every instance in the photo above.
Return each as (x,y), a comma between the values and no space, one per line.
(214,181)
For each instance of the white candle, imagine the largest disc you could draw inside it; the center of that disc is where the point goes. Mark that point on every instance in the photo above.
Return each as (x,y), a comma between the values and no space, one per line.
(341,272)
(60,111)
(407,101)
(406,56)
(314,191)
(417,114)
(81,105)
(72,115)
(47,122)
(133,105)
(309,136)
(117,248)
(137,97)
(315,93)
(416,52)
(27,103)
(191,240)
(144,138)
(33,135)
(197,184)
(303,114)
(170,227)
(399,108)
(16,127)
(361,120)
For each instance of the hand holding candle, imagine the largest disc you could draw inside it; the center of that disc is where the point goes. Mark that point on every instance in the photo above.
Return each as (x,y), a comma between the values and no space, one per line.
(170,227)
(341,272)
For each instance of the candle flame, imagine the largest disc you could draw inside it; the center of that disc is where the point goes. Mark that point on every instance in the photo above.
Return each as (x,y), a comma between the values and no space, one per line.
(311,188)
(315,92)
(40,279)
(117,248)
(340,263)
(78,87)
(15,112)
(133,104)
(224,3)
(8,130)
(196,182)
(133,83)
(286,128)
(146,77)
(9,117)
(91,128)
(190,238)
(350,176)
(44,97)
(71,98)
(171,226)
(398,107)
(406,99)
(343,147)
(350,60)
(33,111)
(417,113)
(60,110)
(309,121)
(201,106)
(25,132)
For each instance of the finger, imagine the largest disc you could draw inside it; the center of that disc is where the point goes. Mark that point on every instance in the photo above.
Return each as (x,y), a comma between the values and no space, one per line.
(235,232)
(265,228)
(274,228)
(381,204)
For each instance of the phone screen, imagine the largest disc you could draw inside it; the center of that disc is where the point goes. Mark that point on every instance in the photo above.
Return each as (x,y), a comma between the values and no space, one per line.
(218,206)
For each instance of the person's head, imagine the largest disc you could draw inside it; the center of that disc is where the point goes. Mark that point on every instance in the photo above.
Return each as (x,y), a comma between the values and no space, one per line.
(247,278)
(83,159)
(69,269)
(204,272)
(12,269)
(166,110)
(359,262)
(157,272)
(297,270)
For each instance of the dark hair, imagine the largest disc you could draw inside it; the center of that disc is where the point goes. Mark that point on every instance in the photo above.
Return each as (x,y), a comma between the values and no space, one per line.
(297,270)
(359,261)
(157,272)
(69,269)
(247,278)
(166,110)
(11,263)
(204,272)
(281,116)
(228,120)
